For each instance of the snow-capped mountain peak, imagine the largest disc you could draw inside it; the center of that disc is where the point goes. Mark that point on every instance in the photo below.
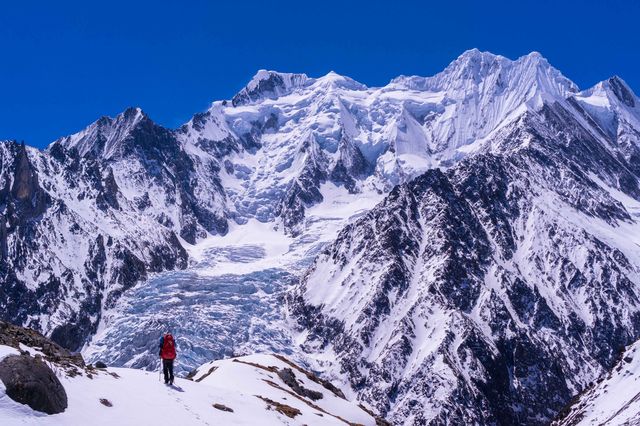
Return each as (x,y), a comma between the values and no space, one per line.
(268,85)
(310,128)
(334,80)
(481,93)
(473,63)
(615,109)
(622,91)
(489,74)
(549,83)
(613,91)
(103,137)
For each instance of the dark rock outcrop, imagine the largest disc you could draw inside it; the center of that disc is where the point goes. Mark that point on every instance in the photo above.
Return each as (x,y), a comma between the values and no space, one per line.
(26,192)
(480,280)
(30,381)
(289,378)
(13,335)
(621,90)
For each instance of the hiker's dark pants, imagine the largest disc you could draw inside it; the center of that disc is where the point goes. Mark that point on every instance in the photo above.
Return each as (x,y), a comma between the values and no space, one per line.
(167,369)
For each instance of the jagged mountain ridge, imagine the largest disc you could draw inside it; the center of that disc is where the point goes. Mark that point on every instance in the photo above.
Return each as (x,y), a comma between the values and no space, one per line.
(277,149)
(309,131)
(496,290)
(93,215)
(268,157)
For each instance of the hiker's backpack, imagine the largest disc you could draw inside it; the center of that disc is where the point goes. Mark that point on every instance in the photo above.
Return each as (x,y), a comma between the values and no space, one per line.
(168,347)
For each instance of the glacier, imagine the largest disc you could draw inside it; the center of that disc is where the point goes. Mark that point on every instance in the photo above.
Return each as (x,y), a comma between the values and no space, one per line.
(230,302)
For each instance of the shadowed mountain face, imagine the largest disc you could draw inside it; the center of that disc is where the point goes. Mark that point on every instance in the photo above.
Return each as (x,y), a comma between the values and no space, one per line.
(490,292)
(496,279)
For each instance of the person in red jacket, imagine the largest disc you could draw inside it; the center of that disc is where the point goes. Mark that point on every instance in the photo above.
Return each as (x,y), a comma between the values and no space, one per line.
(168,354)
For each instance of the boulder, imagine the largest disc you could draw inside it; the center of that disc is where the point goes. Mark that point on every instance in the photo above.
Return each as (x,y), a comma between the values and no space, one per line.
(30,381)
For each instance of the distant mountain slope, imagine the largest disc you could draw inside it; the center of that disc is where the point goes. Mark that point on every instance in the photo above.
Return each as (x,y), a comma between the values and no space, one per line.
(493,291)
(82,228)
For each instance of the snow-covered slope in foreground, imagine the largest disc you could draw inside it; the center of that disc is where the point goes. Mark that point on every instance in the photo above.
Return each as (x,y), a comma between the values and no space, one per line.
(250,386)
(614,400)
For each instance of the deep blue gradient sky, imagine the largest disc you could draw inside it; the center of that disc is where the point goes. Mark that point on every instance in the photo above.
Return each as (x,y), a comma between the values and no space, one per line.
(64,64)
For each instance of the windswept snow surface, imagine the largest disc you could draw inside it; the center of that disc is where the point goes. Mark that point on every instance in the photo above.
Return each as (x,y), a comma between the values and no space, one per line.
(614,400)
(139,398)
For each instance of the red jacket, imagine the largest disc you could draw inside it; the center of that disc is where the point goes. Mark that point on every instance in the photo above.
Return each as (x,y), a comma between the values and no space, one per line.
(167,347)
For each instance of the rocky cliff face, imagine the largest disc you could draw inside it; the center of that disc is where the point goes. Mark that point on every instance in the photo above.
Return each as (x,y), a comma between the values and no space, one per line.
(75,237)
(493,291)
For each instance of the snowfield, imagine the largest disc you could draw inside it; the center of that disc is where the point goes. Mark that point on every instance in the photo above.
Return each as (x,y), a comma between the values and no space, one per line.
(136,397)
(612,401)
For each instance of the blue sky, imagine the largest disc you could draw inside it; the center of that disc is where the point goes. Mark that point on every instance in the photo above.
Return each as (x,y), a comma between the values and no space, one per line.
(66,63)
